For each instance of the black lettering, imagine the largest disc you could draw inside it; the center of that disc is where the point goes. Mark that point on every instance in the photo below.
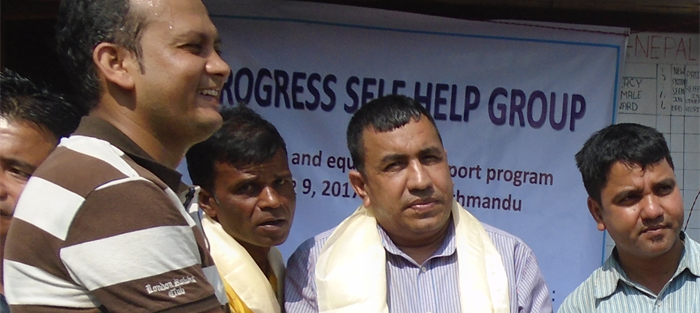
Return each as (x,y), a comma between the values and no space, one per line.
(314,77)
(353,80)
(327,107)
(265,100)
(296,89)
(281,84)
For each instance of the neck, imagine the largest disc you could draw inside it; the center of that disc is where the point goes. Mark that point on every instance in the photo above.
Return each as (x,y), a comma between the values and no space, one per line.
(168,154)
(652,273)
(259,255)
(421,249)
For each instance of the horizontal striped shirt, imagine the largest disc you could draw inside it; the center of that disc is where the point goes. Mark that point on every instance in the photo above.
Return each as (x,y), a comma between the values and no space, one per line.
(609,290)
(429,287)
(97,229)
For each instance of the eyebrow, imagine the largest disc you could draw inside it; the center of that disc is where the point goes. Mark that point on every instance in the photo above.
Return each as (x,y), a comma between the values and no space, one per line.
(18,163)
(666,182)
(396,157)
(197,34)
(430,150)
(285,174)
(392,157)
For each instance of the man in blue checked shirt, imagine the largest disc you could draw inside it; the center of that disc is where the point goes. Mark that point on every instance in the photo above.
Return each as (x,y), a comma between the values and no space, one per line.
(409,247)
(633,194)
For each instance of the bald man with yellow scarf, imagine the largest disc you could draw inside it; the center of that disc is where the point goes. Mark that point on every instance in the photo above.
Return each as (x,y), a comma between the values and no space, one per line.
(409,247)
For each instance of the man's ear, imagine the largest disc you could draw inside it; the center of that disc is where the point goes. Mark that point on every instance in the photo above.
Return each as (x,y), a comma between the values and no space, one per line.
(357,180)
(113,62)
(208,204)
(597,212)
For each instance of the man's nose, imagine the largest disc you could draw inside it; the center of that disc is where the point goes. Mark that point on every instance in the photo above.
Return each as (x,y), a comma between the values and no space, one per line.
(269,198)
(217,66)
(651,208)
(418,176)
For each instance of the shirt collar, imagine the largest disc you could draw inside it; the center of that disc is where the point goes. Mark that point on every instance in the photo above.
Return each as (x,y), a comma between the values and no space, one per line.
(611,273)
(691,257)
(98,128)
(447,248)
(607,278)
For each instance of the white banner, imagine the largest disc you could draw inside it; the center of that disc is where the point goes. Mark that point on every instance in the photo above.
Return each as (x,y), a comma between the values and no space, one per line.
(513,104)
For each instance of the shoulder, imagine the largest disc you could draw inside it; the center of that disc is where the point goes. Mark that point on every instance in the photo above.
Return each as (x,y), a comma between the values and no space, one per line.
(309,250)
(500,234)
(505,242)
(602,284)
(82,164)
(582,299)
(692,246)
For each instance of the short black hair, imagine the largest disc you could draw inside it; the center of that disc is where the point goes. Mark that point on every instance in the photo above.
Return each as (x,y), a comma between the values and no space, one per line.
(23,100)
(81,26)
(628,143)
(245,138)
(382,114)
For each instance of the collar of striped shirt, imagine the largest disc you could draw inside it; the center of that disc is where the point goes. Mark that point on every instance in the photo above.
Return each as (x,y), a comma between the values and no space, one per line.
(611,273)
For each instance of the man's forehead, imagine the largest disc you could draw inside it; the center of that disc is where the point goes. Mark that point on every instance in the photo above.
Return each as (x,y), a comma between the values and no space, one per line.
(379,136)
(148,6)
(23,128)
(624,170)
(632,166)
(166,9)
(274,166)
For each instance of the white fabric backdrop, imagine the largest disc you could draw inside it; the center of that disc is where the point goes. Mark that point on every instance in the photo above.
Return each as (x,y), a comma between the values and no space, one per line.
(306,67)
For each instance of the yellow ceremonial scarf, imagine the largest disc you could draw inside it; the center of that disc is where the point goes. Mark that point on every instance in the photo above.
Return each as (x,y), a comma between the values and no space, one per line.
(234,301)
(246,285)
(351,269)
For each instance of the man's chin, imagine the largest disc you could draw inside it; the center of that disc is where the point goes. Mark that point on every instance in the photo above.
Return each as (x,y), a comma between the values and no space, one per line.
(208,126)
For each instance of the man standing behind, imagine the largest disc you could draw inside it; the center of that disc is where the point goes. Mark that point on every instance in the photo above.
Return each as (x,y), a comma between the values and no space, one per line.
(248,201)
(410,247)
(109,231)
(633,194)
(32,120)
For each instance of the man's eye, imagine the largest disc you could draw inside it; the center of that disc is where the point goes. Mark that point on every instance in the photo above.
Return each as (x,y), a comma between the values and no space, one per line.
(19,174)
(629,200)
(664,190)
(217,49)
(245,189)
(194,48)
(393,167)
(283,182)
(431,159)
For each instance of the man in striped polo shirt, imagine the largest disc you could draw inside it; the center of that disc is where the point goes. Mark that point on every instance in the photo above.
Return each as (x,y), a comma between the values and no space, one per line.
(410,247)
(101,225)
(633,194)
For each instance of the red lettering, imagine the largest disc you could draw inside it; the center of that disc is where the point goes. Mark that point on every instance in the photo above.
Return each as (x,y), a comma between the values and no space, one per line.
(638,43)
(653,46)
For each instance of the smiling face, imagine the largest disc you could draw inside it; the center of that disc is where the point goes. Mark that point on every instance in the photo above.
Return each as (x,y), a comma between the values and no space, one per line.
(180,74)
(641,208)
(254,203)
(23,146)
(407,182)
